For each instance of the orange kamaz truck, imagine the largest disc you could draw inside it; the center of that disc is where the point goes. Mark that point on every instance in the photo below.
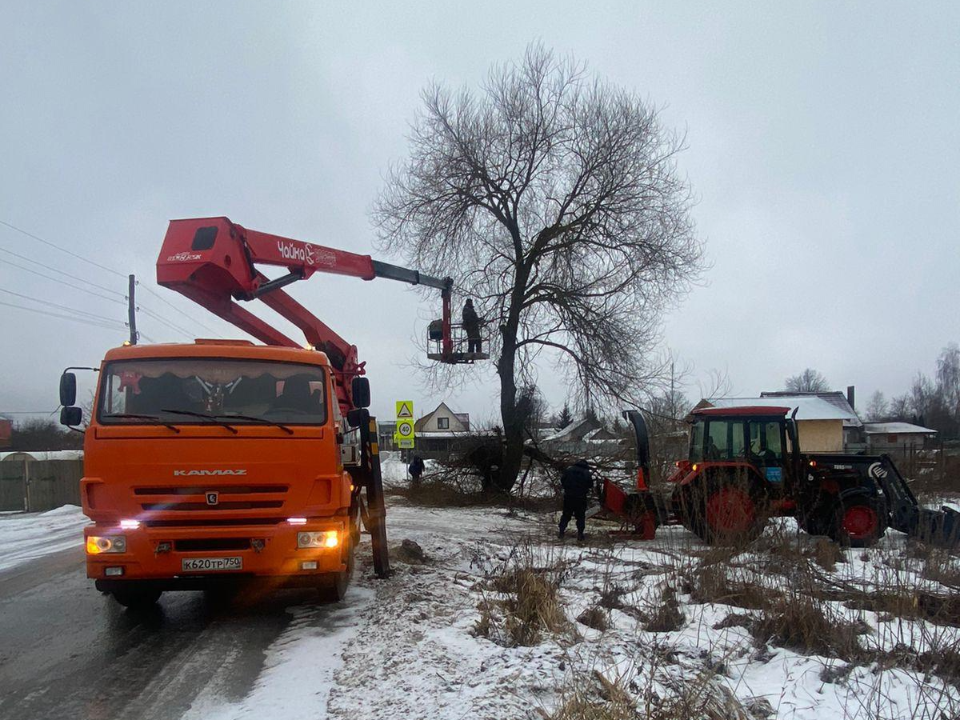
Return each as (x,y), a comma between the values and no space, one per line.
(221,462)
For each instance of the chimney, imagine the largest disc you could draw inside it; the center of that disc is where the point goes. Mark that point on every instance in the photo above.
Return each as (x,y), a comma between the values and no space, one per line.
(852,396)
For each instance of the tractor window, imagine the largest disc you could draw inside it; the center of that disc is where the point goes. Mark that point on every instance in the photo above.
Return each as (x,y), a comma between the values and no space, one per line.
(765,441)
(717,444)
(696,442)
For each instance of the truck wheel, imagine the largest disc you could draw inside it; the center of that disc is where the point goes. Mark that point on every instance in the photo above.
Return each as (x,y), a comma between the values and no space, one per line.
(333,587)
(137,598)
(725,510)
(858,521)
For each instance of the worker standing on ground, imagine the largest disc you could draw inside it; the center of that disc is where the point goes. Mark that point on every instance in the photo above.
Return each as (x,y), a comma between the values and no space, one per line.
(577,483)
(416,469)
(471,325)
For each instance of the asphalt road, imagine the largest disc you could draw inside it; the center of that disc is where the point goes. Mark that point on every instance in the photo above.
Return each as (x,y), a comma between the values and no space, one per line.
(66,651)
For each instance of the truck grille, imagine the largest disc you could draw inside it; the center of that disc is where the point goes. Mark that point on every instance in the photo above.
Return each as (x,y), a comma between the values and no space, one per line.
(187,499)
(187,506)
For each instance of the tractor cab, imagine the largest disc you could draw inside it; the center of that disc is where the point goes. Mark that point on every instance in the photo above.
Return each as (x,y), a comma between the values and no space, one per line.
(763,438)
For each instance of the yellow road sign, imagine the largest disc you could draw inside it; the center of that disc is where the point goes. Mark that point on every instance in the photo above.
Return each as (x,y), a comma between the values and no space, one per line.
(405,431)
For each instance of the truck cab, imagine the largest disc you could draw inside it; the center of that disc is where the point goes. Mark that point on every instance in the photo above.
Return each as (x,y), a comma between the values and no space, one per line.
(217,461)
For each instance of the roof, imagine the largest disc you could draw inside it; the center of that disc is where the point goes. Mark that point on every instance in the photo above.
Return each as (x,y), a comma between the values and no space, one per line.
(896,428)
(419,424)
(834,397)
(570,432)
(809,407)
(440,434)
(744,410)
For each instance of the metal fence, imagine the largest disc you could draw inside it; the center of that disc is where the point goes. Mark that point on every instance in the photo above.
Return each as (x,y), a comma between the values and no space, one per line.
(38,485)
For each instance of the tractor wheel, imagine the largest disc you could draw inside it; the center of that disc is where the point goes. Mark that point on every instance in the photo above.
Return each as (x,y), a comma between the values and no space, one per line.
(725,510)
(858,521)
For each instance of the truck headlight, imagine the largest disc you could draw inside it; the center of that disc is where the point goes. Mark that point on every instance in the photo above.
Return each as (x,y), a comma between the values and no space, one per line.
(96,545)
(322,539)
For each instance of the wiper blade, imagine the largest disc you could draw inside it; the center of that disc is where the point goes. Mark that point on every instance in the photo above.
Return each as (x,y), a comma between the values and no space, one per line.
(206,416)
(252,418)
(136,416)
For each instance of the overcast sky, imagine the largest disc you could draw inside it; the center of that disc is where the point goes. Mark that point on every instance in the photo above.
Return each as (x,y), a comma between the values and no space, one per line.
(824,147)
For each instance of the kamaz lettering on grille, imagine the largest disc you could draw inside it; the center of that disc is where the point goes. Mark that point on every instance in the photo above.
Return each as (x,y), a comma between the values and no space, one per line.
(180,473)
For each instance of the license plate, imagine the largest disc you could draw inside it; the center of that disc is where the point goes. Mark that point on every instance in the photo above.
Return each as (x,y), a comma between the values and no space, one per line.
(206,564)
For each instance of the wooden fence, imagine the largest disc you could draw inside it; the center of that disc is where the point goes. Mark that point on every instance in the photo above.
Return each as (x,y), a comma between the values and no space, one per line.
(38,485)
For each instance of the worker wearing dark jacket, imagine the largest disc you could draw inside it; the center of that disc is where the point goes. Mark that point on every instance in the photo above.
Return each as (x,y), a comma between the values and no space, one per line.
(471,325)
(577,483)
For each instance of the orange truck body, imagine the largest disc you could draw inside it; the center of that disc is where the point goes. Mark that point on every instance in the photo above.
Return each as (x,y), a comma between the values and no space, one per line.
(203,491)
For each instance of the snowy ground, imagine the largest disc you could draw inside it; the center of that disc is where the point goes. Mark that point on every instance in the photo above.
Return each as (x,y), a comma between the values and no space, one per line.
(26,536)
(408,647)
(434,641)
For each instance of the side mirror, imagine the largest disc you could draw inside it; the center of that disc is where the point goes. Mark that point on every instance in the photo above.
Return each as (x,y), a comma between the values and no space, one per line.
(360,390)
(356,417)
(71,416)
(68,389)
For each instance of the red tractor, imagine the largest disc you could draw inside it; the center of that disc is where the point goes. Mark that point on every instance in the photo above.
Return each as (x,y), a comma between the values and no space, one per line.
(745,466)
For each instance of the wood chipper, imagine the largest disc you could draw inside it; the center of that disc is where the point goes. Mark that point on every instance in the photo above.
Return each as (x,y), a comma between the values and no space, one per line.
(745,465)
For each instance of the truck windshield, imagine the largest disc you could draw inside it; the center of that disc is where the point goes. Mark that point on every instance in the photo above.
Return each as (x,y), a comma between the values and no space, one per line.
(182,390)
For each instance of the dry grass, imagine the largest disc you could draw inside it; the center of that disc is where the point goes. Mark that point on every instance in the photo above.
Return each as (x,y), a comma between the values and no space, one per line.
(594,617)
(525,604)
(802,623)
(666,616)
(713,584)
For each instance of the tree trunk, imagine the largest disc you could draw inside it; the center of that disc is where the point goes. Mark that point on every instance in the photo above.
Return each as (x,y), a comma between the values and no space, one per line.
(506,368)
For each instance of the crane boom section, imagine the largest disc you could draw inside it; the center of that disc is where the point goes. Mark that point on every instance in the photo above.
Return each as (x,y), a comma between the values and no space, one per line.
(213,261)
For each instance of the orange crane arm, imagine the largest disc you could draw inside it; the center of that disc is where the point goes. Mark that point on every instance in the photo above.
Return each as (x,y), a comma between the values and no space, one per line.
(213,261)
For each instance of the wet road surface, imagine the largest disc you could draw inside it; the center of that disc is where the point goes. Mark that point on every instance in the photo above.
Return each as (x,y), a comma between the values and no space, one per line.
(67,651)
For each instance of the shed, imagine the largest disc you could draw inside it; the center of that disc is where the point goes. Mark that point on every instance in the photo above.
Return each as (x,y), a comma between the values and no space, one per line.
(888,436)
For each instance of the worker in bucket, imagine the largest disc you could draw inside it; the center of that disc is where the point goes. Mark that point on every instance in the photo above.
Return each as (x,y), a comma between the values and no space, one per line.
(471,325)
(577,483)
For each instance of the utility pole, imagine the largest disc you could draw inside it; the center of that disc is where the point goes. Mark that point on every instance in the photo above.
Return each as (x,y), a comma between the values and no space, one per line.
(132,309)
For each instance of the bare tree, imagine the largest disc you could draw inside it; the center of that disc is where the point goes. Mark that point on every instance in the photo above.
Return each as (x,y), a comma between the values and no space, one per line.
(948,379)
(809,380)
(554,200)
(877,408)
(899,407)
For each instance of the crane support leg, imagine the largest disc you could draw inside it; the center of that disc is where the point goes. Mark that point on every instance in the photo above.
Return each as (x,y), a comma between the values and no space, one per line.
(368,476)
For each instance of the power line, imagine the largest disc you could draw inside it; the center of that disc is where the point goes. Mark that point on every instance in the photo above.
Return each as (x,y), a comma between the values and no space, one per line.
(102,267)
(69,309)
(166,322)
(64,317)
(61,272)
(63,282)
(168,303)
(61,249)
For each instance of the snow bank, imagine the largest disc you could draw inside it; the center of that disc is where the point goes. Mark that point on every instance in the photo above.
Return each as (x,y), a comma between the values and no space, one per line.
(27,536)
